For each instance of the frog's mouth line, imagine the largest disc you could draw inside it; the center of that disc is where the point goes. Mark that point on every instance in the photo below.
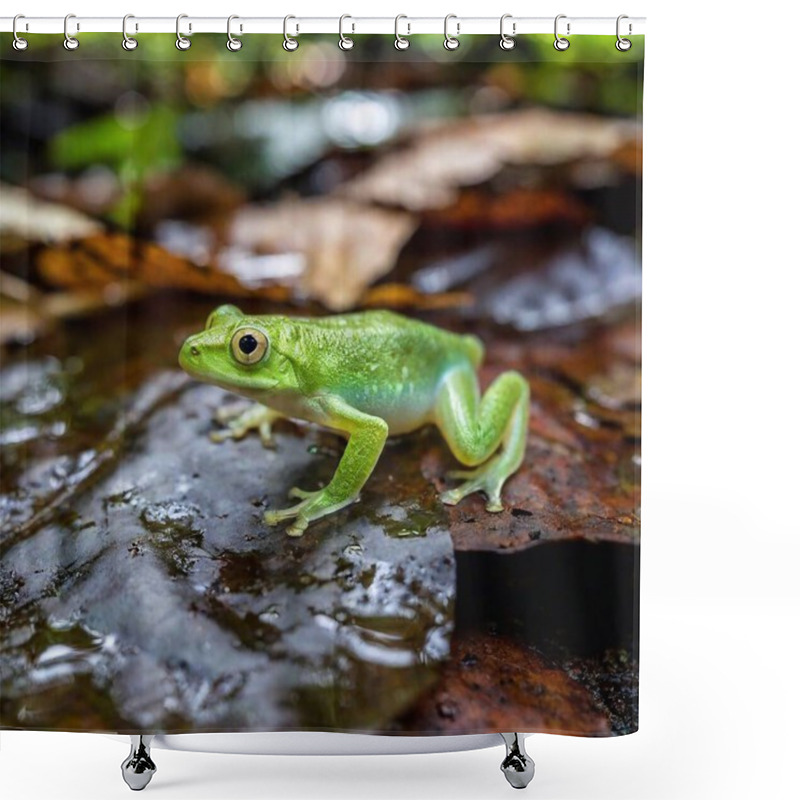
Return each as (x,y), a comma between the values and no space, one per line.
(246,388)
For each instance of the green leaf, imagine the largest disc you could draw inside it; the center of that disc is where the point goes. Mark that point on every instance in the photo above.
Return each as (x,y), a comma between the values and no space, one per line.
(140,141)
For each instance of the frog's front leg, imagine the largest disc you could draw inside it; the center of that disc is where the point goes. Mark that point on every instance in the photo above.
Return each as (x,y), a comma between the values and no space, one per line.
(238,419)
(475,427)
(367,435)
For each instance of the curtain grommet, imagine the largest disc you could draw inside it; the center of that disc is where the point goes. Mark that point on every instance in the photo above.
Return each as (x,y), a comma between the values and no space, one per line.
(507,41)
(19,43)
(560,43)
(181,42)
(623,45)
(70,42)
(290,44)
(345,42)
(401,42)
(233,44)
(128,42)
(451,42)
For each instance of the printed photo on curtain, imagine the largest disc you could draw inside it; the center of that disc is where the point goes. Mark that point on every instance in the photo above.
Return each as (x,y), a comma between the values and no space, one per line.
(320,385)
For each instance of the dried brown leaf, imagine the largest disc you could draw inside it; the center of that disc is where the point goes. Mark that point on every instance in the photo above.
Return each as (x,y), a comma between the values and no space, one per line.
(346,246)
(439,160)
(23,216)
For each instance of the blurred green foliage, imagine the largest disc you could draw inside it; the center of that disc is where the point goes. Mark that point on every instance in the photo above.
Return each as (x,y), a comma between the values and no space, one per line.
(135,111)
(134,143)
(144,140)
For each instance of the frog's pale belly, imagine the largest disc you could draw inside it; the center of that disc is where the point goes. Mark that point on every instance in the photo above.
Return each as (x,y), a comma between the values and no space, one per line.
(401,416)
(404,407)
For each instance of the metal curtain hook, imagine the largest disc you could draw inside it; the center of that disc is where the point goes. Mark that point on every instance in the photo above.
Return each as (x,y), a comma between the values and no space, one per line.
(400,42)
(289,44)
(19,43)
(507,42)
(623,45)
(345,42)
(70,42)
(234,44)
(451,42)
(182,43)
(560,43)
(128,42)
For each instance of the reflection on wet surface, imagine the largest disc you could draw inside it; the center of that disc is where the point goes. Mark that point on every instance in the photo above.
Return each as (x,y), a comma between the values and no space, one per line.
(187,613)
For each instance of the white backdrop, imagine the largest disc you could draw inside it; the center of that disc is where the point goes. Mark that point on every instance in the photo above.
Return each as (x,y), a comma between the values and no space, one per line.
(720,705)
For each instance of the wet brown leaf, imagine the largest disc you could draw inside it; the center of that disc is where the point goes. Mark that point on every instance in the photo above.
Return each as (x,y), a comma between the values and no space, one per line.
(518,208)
(580,476)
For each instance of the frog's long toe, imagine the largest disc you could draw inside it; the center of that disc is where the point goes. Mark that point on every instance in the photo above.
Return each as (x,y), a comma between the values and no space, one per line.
(487,478)
(312,506)
(301,494)
(297,528)
(273,518)
(238,420)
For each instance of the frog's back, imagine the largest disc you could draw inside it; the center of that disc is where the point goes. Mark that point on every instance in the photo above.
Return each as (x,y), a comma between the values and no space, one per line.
(388,337)
(383,363)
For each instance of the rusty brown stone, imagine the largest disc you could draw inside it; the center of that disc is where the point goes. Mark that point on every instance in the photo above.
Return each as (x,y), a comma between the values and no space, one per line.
(495,684)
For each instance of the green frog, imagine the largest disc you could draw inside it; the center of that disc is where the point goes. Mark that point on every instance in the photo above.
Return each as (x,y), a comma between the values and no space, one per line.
(366,376)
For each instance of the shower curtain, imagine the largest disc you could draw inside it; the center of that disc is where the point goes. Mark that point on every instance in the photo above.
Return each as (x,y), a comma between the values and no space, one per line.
(490,198)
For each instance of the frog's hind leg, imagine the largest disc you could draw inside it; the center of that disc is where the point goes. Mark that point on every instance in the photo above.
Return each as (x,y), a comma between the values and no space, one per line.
(475,427)
(239,419)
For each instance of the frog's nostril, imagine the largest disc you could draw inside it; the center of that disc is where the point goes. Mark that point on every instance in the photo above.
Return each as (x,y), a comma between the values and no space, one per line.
(194,350)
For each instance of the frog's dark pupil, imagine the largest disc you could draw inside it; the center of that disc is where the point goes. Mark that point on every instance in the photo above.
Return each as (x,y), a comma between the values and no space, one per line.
(247,344)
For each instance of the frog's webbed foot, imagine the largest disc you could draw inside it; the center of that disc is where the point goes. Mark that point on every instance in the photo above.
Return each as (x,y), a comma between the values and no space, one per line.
(240,418)
(487,478)
(313,506)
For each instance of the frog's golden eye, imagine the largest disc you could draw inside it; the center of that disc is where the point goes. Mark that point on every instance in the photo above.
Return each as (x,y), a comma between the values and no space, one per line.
(249,345)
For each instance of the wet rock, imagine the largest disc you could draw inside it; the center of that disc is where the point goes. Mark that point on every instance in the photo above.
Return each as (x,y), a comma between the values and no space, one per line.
(164,603)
